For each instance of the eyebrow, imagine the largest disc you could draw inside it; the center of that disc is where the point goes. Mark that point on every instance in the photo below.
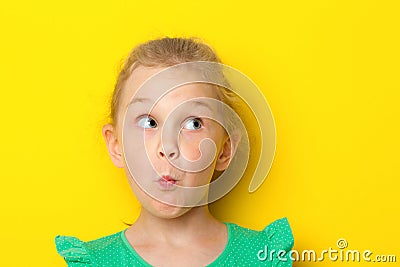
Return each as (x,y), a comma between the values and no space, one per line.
(202,104)
(139,100)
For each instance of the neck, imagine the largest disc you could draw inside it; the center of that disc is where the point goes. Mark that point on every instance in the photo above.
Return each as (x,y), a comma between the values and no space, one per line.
(194,223)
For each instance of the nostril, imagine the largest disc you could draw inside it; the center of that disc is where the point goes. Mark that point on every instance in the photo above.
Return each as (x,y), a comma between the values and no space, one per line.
(170,155)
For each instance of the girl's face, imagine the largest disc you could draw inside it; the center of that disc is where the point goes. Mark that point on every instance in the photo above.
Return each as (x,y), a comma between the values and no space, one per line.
(162,147)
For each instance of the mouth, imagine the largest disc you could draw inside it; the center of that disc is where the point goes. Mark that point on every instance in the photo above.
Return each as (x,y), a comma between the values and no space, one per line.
(167,182)
(167,179)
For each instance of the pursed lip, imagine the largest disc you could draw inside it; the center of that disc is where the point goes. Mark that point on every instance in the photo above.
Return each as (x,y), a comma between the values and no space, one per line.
(167,182)
(168,179)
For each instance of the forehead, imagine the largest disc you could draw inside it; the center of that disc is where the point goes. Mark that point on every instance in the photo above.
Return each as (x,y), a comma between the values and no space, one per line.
(133,88)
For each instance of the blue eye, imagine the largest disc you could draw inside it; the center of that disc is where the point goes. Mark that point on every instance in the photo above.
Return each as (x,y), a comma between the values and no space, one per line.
(147,122)
(193,124)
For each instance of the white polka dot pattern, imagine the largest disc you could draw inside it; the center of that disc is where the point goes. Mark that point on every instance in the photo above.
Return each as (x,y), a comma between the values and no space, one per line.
(243,248)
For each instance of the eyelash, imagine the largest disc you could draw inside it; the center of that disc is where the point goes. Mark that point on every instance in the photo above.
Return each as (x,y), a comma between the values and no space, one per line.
(195,120)
(147,122)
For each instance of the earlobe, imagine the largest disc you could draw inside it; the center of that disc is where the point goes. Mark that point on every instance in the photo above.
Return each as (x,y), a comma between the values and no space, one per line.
(114,150)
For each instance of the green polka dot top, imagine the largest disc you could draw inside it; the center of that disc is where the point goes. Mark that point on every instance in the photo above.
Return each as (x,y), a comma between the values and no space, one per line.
(245,247)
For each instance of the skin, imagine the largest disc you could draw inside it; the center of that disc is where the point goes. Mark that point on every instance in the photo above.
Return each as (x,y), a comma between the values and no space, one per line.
(164,234)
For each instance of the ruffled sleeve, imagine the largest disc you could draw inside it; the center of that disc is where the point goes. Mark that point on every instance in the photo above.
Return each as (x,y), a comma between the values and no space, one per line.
(73,251)
(280,239)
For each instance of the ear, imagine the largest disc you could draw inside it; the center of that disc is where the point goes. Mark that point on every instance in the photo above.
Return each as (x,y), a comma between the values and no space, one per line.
(110,136)
(227,152)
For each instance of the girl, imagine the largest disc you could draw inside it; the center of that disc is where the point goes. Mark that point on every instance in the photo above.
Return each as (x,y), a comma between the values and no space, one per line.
(174,228)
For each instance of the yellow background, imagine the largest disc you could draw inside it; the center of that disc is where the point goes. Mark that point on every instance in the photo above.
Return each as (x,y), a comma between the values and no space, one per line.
(329,70)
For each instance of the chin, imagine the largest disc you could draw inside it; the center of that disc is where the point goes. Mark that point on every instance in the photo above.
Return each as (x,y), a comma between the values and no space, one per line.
(166,211)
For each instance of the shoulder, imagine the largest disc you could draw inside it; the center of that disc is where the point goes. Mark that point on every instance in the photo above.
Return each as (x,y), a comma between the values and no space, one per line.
(91,253)
(278,234)
(247,247)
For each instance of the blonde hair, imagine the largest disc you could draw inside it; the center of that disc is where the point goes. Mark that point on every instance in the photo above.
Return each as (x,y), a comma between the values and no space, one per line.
(164,52)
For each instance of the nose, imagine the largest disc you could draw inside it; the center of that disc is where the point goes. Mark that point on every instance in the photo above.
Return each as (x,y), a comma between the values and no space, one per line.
(169,151)
(170,155)
(168,145)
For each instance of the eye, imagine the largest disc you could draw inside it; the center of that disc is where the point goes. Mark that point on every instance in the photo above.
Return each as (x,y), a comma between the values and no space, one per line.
(147,122)
(193,124)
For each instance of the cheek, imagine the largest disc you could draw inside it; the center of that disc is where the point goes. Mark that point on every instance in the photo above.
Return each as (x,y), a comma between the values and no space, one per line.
(137,158)
(148,140)
(190,142)
(190,146)
(200,178)
(141,143)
